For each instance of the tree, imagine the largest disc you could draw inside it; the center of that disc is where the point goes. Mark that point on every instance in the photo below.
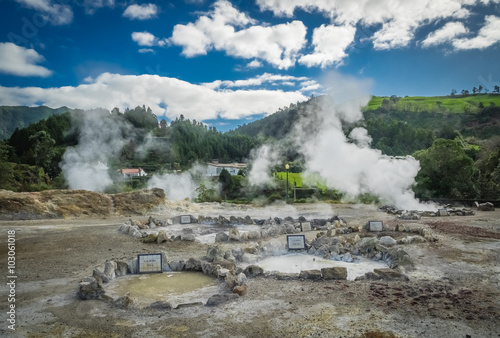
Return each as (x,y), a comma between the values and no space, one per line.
(453,92)
(446,171)
(496,89)
(479,88)
(474,90)
(226,182)
(465,92)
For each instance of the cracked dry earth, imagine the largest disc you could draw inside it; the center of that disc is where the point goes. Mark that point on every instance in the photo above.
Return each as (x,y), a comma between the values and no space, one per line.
(453,292)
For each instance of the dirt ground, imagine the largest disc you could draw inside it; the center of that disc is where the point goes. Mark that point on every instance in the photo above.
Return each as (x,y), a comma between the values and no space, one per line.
(453,292)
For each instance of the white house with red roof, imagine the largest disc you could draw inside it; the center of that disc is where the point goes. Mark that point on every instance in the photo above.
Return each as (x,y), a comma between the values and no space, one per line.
(132,172)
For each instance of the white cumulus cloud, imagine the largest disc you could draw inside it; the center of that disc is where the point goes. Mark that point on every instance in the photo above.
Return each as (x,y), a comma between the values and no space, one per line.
(446,34)
(330,43)
(488,35)
(147,39)
(52,11)
(141,12)
(21,61)
(166,96)
(224,28)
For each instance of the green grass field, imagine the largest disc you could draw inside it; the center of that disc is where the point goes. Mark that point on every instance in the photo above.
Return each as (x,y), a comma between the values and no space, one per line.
(300,181)
(445,104)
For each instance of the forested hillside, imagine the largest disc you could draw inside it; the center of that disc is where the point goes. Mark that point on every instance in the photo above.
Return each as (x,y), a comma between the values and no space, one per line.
(21,117)
(458,149)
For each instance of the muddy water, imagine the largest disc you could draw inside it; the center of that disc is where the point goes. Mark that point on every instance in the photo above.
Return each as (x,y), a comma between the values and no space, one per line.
(173,287)
(294,263)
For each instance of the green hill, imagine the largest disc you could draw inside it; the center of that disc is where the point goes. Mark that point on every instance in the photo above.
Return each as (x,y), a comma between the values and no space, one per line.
(21,117)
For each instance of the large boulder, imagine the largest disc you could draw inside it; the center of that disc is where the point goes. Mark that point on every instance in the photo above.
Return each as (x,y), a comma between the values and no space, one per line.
(121,268)
(214,253)
(310,274)
(90,288)
(488,206)
(253,271)
(387,241)
(335,273)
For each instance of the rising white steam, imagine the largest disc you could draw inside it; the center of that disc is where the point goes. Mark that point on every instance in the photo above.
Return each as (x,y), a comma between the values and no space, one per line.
(100,138)
(183,185)
(262,160)
(353,168)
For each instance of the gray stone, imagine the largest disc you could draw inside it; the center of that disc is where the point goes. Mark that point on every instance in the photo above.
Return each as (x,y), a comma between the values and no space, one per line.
(189,238)
(253,271)
(234,235)
(109,270)
(160,305)
(214,253)
(100,276)
(287,276)
(221,299)
(90,288)
(387,241)
(123,302)
(310,274)
(133,266)
(335,273)
(249,258)
(121,268)
(162,237)
(193,265)
(177,265)
(221,237)
(231,280)
(242,279)
(488,206)
(253,235)
(397,257)
(367,244)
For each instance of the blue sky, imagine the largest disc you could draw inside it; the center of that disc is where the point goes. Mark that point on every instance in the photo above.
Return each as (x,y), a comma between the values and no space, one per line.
(228,62)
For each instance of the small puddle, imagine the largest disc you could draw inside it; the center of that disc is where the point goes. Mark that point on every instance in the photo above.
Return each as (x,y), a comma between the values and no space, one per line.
(294,263)
(173,287)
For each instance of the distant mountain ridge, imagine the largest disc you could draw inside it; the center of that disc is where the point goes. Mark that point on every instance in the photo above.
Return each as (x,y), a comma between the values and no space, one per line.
(12,117)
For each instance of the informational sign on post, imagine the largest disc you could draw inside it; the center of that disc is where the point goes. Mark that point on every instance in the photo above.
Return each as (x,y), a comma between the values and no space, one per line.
(149,263)
(185,219)
(296,242)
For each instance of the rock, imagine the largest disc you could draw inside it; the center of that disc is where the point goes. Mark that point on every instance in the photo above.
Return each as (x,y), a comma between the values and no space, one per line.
(177,265)
(152,225)
(221,237)
(335,273)
(90,288)
(221,299)
(240,290)
(189,238)
(390,274)
(287,276)
(242,279)
(377,257)
(253,271)
(310,274)
(123,302)
(228,255)
(234,235)
(488,206)
(367,244)
(109,270)
(253,235)
(100,276)
(151,238)
(160,305)
(387,241)
(121,268)
(369,276)
(142,226)
(162,237)
(397,257)
(347,258)
(248,220)
(133,266)
(231,280)
(214,253)
(193,265)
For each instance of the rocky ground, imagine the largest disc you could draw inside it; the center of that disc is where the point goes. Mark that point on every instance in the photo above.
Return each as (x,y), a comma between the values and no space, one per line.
(454,290)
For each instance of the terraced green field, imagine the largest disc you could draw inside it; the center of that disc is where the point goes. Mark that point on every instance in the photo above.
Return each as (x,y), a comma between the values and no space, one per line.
(445,104)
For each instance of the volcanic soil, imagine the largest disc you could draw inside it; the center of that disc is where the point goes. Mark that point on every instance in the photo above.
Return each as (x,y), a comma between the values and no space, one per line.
(454,290)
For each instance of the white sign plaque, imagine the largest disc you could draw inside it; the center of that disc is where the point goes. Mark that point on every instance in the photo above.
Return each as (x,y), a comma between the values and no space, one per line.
(306,226)
(148,263)
(376,225)
(185,219)
(442,212)
(296,242)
